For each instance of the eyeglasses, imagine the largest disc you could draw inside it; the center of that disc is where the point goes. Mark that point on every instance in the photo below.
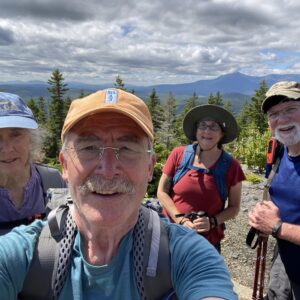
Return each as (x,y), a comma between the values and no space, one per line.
(93,153)
(288,112)
(213,126)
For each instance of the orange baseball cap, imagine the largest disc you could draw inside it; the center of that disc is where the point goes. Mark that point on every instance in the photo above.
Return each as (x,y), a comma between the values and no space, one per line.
(110,100)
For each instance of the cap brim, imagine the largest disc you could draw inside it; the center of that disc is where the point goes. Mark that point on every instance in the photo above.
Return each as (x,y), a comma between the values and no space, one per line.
(217,114)
(17,122)
(274,100)
(119,110)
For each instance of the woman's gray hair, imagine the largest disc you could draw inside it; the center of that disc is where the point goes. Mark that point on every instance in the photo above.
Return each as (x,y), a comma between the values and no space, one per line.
(37,138)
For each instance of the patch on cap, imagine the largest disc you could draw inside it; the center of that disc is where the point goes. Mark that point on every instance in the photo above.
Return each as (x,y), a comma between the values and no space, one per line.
(111,96)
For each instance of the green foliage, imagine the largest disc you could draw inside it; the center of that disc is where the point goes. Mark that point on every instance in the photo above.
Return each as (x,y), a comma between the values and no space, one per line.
(156,111)
(252,114)
(180,137)
(31,104)
(119,84)
(251,147)
(253,178)
(161,155)
(165,135)
(216,100)
(57,112)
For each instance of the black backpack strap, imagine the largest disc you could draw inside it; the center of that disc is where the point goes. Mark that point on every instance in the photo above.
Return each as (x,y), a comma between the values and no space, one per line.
(50,177)
(155,280)
(51,257)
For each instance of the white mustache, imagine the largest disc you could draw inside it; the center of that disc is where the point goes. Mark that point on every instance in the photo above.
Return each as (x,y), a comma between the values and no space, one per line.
(100,185)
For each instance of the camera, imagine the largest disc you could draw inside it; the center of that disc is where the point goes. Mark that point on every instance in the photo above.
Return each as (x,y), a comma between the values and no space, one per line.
(193,215)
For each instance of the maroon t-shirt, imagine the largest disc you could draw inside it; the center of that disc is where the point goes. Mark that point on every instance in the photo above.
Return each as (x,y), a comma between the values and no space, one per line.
(197,191)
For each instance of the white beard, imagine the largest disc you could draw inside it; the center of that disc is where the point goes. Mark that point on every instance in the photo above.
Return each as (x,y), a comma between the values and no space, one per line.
(290,139)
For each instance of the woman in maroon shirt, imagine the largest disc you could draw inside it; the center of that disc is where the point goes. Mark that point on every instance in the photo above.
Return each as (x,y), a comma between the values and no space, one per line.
(210,127)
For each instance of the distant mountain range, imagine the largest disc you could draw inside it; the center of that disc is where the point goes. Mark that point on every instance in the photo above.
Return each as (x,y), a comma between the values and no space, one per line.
(235,87)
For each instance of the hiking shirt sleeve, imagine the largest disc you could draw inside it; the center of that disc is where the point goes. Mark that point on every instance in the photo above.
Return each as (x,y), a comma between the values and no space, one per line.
(16,252)
(198,271)
(173,161)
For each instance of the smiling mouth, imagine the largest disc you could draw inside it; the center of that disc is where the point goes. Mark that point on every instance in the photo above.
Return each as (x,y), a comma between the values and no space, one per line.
(8,161)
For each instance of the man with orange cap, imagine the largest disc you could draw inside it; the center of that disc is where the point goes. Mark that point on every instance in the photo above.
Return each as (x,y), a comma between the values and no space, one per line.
(107,160)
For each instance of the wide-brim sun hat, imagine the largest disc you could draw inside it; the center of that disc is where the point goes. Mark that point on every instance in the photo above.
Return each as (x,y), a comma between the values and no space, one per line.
(14,113)
(213,113)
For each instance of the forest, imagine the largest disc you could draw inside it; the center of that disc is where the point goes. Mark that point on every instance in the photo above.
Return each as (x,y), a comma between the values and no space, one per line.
(249,148)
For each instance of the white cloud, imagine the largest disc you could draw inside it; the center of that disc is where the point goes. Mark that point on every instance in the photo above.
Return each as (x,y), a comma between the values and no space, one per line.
(147,42)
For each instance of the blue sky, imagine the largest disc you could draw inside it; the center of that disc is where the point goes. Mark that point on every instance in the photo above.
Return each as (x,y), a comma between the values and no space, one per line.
(147,42)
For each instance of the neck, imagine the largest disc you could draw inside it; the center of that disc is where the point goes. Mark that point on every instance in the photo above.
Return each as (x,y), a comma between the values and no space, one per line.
(206,158)
(100,243)
(15,181)
(294,150)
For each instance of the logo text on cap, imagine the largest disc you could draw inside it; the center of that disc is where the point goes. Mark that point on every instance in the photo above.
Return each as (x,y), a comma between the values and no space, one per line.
(111,96)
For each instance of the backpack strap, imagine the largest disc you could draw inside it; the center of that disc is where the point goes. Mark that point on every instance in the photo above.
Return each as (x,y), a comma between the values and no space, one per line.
(50,177)
(51,259)
(187,159)
(220,172)
(152,266)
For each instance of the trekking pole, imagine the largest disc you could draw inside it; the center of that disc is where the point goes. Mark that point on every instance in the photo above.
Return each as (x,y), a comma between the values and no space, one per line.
(260,267)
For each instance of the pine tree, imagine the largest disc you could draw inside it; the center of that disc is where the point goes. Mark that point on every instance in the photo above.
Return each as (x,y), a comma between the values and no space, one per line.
(255,115)
(32,105)
(216,100)
(119,84)
(192,102)
(155,109)
(166,135)
(42,111)
(56,119)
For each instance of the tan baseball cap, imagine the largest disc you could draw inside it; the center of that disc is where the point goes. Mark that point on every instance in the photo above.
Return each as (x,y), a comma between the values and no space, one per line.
(279,91)
(110,100)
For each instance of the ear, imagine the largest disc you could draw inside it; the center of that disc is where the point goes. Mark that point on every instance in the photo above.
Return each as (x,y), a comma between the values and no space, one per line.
(152,163)
(64,166)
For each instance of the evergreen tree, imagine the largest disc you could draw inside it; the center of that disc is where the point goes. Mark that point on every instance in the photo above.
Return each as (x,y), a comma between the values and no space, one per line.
(190,103)
(254,112)
(216,100)
(228,106)
(56,119)
(119,84)
(32,105)
(155,108)
(42,111)
(67,104)
(166,134)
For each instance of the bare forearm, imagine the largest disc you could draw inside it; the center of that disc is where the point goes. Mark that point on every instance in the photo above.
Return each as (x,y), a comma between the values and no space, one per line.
(290,232)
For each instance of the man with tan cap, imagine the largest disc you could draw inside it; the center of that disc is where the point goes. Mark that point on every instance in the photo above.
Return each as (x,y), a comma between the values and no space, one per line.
(107,160)
(281,216)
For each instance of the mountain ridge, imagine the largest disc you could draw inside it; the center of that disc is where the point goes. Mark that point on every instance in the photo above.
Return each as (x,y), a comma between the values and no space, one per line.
(235,87)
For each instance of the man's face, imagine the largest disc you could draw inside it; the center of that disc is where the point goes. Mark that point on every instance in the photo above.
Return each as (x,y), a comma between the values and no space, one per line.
(107,190)
(284,121)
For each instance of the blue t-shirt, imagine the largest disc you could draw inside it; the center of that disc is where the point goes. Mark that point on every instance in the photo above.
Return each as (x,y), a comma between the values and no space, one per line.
(197,270)
(285,193)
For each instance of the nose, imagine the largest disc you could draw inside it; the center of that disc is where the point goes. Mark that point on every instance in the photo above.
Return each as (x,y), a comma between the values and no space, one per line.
(5,145)
(108,165)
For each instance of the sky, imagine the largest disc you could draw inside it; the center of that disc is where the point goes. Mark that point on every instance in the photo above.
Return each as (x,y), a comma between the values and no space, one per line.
(147,42)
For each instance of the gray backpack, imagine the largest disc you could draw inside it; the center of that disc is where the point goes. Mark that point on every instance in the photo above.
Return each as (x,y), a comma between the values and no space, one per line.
(50,266)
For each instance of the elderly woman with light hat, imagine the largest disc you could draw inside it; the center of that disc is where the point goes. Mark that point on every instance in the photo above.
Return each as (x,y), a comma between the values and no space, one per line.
(210,174)
(22,196)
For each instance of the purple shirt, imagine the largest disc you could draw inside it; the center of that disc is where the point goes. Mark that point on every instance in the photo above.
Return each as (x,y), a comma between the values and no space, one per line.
(33,201)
